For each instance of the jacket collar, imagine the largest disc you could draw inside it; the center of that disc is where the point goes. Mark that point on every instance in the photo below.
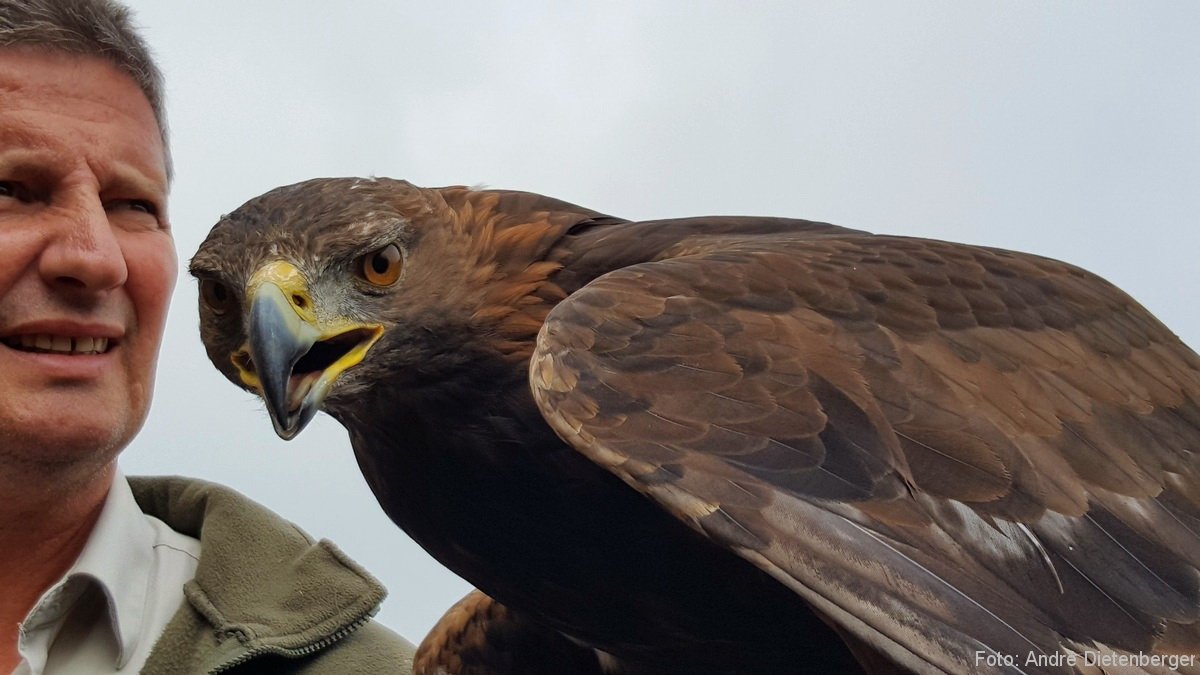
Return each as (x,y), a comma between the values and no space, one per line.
(262,584)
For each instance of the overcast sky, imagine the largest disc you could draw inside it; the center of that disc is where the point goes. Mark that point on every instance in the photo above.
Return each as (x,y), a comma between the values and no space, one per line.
(1070,129)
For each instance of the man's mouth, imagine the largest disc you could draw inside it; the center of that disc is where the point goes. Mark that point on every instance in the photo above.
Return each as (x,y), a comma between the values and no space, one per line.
(57,344)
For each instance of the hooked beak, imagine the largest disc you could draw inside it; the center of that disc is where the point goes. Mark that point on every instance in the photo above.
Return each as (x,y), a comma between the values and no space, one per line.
(290,357)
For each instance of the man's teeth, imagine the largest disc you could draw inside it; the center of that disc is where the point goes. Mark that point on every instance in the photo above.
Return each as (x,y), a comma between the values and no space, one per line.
(58,343)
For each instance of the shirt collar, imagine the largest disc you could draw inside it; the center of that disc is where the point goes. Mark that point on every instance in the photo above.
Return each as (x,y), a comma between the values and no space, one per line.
(119,557)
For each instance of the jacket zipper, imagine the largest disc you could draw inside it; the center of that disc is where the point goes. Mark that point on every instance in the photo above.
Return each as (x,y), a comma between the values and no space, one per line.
(298,652)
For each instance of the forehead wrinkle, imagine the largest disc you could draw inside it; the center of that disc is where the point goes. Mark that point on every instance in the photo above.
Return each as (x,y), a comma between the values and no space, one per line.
(22,137)
(50,95)
(131,170)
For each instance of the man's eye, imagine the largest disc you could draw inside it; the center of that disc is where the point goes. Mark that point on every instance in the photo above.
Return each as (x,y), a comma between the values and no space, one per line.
(143,206)
(13,189)
(136,205)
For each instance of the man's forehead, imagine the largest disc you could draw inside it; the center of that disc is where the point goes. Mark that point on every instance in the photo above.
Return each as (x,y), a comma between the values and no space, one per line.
(39,73)
(59,103)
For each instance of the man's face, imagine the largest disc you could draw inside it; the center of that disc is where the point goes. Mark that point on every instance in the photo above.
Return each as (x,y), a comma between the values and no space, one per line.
(87,262)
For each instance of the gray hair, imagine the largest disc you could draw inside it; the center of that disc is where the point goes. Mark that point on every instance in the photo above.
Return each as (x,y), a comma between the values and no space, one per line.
(101,28)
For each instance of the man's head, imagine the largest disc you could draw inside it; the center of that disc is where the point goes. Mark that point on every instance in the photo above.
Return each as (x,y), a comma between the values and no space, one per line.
(87,262)
(100,28)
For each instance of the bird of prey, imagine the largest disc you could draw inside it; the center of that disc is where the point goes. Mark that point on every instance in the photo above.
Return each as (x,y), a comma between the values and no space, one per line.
(732,444)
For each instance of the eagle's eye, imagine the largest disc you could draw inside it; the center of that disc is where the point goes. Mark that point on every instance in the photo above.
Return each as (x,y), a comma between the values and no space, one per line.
(216,295)
(382,267)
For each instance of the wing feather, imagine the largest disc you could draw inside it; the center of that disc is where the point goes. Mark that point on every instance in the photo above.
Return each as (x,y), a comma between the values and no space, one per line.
(947,449)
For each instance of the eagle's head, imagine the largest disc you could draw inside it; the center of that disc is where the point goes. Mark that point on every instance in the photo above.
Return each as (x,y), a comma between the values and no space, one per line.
(315,294)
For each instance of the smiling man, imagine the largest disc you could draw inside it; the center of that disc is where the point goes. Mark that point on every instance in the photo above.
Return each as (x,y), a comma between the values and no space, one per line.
(100,574)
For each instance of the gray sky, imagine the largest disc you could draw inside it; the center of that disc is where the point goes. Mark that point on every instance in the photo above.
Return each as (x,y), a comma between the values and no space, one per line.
(1069,129)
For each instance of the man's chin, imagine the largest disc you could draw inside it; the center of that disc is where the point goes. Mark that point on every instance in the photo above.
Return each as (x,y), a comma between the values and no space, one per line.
(65,445)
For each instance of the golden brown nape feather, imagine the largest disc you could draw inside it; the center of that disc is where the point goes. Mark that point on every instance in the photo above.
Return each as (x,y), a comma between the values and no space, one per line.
(479,636)
(487,251)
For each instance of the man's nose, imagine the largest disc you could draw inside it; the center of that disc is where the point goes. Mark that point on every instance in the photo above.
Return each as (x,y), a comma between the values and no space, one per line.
(83,252)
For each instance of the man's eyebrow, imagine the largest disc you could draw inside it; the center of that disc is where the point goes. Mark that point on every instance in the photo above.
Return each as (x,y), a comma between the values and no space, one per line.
(118,175)
(126,180)
(25,163)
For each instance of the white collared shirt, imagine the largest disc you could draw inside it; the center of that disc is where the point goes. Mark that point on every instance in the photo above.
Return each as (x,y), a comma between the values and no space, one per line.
(108,610)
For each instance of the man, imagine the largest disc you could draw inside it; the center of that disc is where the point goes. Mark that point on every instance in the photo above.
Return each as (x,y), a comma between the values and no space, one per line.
(96,576)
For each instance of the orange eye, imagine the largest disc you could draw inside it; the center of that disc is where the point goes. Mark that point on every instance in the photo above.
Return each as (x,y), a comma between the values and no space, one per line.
(217,296)
(382,267)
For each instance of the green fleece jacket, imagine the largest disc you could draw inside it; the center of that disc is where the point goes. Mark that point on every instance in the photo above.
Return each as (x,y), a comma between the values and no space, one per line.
(266,598)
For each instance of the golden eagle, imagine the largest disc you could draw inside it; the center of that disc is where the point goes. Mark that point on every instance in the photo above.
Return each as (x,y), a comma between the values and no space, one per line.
(732,444)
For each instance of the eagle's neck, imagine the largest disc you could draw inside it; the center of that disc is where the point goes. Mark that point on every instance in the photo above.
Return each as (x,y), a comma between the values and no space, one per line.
(475,477)
(481,482)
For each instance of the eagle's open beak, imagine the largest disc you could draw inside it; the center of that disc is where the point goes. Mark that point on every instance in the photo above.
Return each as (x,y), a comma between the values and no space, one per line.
(290,357)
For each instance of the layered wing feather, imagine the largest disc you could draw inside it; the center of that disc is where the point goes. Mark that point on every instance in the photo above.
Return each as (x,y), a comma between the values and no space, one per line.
(954,452)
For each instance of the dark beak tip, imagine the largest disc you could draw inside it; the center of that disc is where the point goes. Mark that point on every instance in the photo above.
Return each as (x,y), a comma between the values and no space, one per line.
(288,426)
(286,433)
